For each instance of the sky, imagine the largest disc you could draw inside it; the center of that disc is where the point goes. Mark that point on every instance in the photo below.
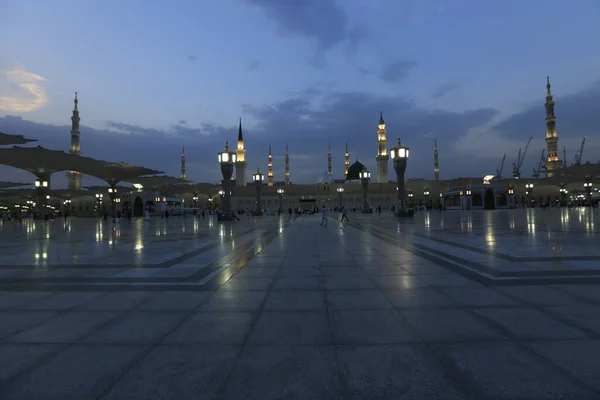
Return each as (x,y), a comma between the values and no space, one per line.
(155,76)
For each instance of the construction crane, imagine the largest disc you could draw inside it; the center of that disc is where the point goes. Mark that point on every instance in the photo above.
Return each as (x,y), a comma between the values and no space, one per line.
(536,172)
(519,162)
(499,170)
(565,157)
(579,155)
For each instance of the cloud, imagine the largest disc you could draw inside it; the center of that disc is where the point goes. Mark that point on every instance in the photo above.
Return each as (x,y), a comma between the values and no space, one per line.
(253,65)
(323,22)
(26,91)
(182,122)
(192,58)
(397,71)
(446,88)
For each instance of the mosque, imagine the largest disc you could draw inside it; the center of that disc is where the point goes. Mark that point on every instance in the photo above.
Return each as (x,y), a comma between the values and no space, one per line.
(158,193)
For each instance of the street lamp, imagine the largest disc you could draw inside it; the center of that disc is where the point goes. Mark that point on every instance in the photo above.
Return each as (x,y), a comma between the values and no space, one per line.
(410,197)
(365,176)
(529,190)
(280,192)
(426,194)
(42,185)
(226,158)
(99,197)
(563,194)
(195,200)
(340,191)
(399,156)
(258,178)
(588,190)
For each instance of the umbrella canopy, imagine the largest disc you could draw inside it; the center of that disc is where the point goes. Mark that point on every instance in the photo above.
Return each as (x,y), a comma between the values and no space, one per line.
(9,140)
(41,161)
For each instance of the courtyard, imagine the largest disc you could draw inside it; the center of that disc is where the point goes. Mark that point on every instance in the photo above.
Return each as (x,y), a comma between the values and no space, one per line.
(454,305)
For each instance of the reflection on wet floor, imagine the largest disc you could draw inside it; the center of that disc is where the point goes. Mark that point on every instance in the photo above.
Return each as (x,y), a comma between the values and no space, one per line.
(87,241)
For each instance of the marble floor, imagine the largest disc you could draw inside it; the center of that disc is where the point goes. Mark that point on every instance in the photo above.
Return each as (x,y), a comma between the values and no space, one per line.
(278,309)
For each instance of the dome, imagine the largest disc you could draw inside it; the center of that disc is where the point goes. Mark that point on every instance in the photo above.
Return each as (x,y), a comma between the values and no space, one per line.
(324,178)
(354,170)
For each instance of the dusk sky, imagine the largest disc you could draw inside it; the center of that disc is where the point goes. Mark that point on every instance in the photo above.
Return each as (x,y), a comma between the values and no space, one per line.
(153,76)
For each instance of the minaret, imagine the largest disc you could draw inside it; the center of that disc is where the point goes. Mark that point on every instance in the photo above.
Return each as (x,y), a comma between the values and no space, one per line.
(346,161)
(287,165)
(329,168)
(553,162)
(240,164)
(436,162)
(74,177)
(270,169)
(382,153)
(182,163)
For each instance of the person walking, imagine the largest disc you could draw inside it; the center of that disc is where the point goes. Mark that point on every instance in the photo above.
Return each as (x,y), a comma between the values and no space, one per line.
(324,216)
(344,216)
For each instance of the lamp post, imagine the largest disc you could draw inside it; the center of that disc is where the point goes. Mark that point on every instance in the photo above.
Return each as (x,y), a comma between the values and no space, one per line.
(210,201)
(426,194)
(227,159)
(280,192)
(468,193)
(399,155)
(365,176)
(511,196)
(258,178)
(42,185)
(340,191)
(410,197)
(67,204)
(195,200)
(588,191)
(112,193)
(529,190)
(99,197)
(563,194)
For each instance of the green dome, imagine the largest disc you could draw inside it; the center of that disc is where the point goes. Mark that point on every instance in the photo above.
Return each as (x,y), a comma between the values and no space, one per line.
(354,170)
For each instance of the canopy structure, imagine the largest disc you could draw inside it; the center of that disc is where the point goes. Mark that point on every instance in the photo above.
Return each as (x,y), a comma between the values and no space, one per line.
(104,189)
(205,188)
(9,140)
(70,193)
(153,182)
(7,185)
(44,162)
(17,193)
(121,172)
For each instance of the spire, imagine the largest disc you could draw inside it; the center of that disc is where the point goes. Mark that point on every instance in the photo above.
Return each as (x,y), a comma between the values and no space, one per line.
(346,161)
(436,161)
(227,145)
(287,165)
(74,176)
(240,136)
(381,121)
(270,168)
(553,161)
(183,163)
(329,167)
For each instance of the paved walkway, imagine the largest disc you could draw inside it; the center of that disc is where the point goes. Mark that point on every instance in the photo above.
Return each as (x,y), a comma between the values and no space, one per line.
(301,312)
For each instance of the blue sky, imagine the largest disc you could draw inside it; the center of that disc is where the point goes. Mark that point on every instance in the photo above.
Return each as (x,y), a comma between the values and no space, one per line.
(158,75)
